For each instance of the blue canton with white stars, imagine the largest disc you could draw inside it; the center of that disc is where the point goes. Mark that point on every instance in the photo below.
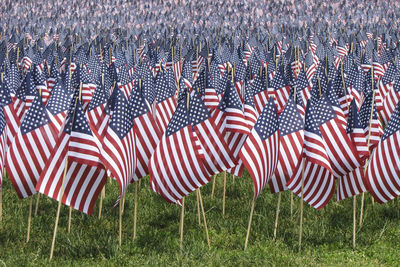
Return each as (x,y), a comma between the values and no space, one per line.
(394,123)
(290,120)
(121,120)
(59,100)
(179,120)
(76,121)
(197,110)
(35,117)
(267,123)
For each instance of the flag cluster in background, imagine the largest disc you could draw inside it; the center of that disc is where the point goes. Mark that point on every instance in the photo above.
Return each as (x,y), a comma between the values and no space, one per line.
(312,112)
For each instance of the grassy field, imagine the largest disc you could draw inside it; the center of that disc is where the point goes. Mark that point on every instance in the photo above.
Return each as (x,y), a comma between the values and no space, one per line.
(327,238)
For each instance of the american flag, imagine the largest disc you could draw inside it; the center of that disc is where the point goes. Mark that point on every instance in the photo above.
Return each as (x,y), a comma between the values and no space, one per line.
(147,134)
(382,174)
(30,150)
(318,178)
(210,96)
(386,83)
(97,116)
(303,87)
(291,139)
(217,154)
(372,125)
(58,104)
(230,119)
(3,143)
(10,113)
(166,101)
(76,154)
(281,89)
(390,102)
(118,151)
(260,151)
(339,148)
(175,167)
(260,93)
(353,183)
(125,82)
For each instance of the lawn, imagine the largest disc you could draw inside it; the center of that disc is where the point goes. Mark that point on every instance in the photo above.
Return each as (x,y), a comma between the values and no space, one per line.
(327,238)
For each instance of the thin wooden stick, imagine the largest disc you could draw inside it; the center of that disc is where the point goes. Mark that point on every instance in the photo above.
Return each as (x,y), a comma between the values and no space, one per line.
(301,205)
(249,226)
(204,217)
(213,186)
(181,223)
(123,204)
(59,208)
(198,207)
(223,198)
(135,211)
(1,204)
(101,200)
(354,220)
(368,141)
(277,215)
(291,203)
(120,222)
(29,219)
(69,219)
(37,203)
(362,208)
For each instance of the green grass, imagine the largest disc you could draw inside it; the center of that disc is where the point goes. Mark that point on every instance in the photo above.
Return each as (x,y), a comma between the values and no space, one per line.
(327,238)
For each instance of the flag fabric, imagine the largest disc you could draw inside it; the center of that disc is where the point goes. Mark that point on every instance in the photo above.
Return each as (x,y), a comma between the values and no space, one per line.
(58,104)
(166,102)
(3,144)
(31,148)
(147,134)
(117,147)
(383,170)
(175,167)
(261,149)
(10,113)
(76,154)
(315,169)
(391,100)
(291,140)
(218,157)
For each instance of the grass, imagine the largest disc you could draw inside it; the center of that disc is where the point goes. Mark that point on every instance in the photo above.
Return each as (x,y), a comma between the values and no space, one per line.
(327,238)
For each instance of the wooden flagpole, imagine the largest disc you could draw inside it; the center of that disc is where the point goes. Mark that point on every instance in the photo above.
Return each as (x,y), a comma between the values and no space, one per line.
(60,196)
(224,195)
(59,207)
(301,204)
(366,162)
(181,223)
(354,220)
(249,226)
(135,211)
(103,191)
(29,219)
(277,214)
(198,207)
(204,216)
(120,221)
(37,203)
(69,219)
(213,186)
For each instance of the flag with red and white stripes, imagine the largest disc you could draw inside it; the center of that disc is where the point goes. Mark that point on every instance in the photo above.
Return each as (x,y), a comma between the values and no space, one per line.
(175,167)
(147,134)
(218,157)
(58,104)
(291,139)
(10,113)
(261,149)
(383,170)
(118,151)
(315,169)
(74,174)
(3,144)
(30,150)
